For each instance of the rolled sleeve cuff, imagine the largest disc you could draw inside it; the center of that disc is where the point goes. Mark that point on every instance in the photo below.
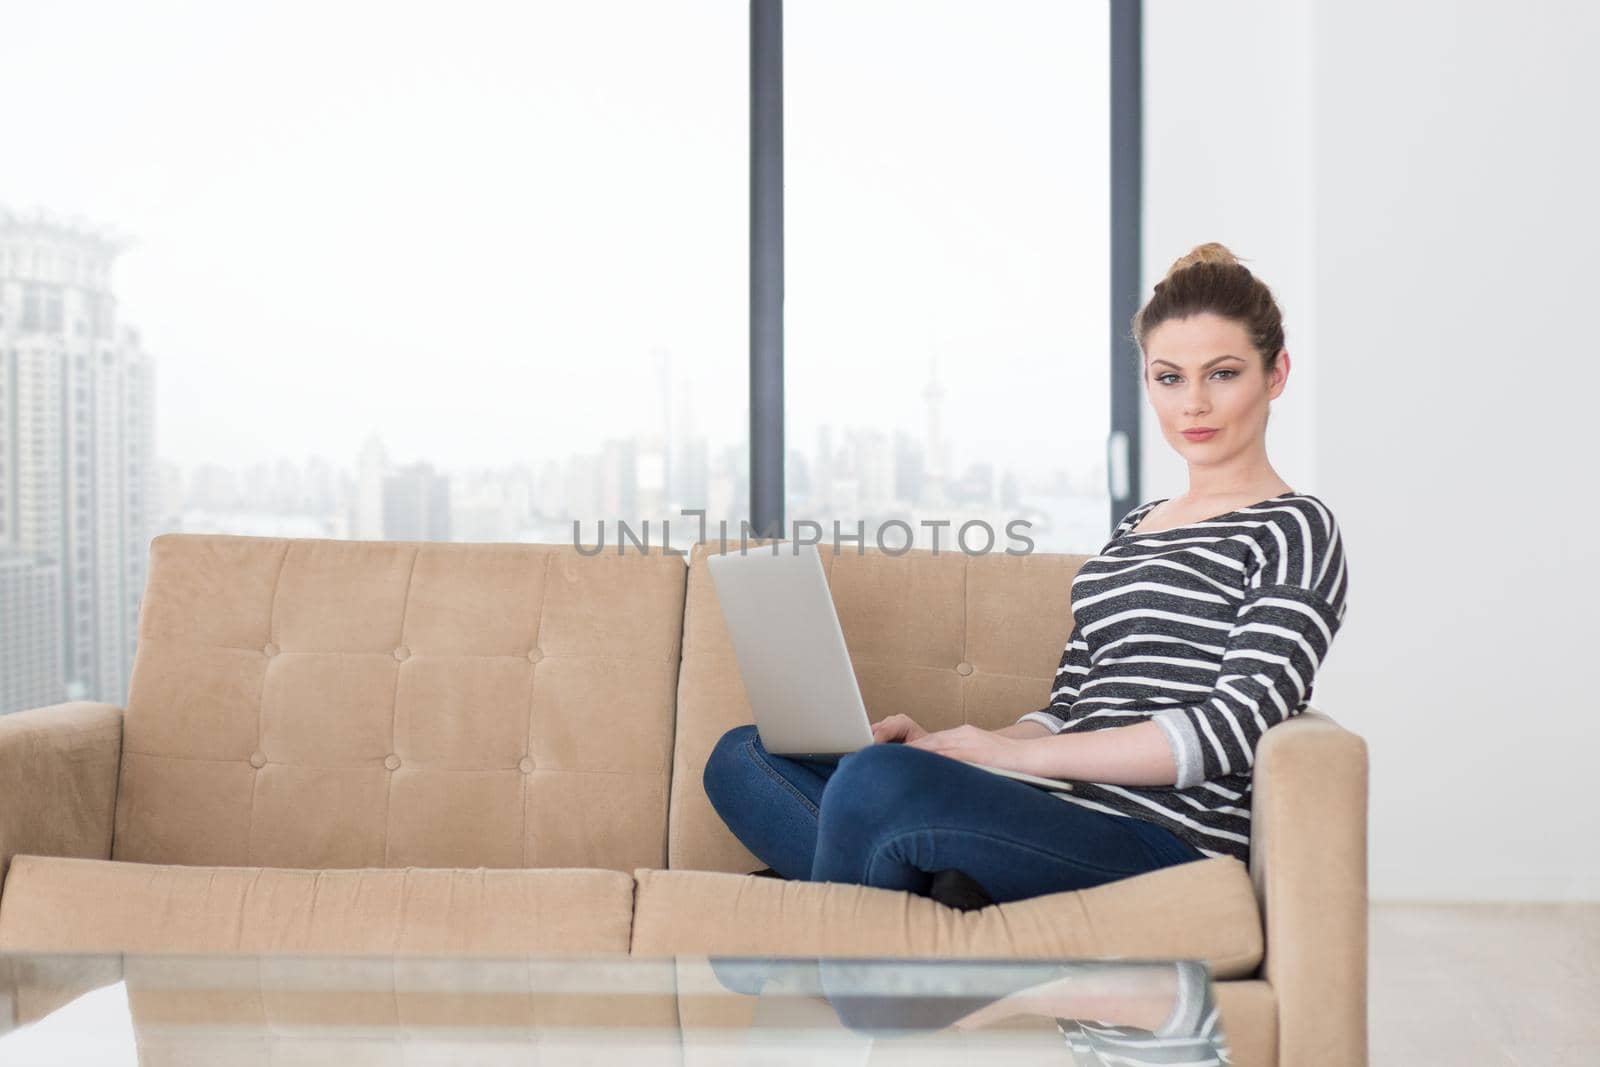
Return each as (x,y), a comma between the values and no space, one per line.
(1185,742)
(1044,718)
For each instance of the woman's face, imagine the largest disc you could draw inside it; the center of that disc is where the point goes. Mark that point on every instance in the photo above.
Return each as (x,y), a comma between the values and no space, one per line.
(1203,371)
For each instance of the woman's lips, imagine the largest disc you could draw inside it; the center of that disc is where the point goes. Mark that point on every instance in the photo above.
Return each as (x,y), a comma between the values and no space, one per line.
(1199,435)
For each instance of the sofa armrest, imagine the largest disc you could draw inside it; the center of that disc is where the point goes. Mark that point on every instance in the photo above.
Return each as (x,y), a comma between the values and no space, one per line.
(1308,860)
(58,781)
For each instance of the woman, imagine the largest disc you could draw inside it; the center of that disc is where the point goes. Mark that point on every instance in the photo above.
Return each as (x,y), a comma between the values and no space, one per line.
(1199,625)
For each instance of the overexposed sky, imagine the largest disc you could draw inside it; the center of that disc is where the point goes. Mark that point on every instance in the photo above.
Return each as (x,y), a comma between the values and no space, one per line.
(471,228)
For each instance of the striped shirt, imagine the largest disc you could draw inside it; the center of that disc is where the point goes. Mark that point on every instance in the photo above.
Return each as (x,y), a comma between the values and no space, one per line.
(1214,630)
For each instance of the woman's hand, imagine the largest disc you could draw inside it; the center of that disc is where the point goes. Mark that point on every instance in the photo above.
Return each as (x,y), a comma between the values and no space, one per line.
(974,744)
(896,728)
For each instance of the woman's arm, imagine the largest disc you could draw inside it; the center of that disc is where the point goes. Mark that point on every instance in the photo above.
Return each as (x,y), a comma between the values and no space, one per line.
(1021,730)
(1119,755)
(1137,754)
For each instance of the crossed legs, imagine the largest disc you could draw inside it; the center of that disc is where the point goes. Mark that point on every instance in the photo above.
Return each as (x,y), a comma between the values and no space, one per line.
(889,815)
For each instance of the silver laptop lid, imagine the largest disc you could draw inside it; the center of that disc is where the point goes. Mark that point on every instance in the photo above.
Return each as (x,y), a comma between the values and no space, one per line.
(790,648)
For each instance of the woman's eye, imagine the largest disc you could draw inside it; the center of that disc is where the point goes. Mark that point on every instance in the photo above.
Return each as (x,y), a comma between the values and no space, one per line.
(1225,370)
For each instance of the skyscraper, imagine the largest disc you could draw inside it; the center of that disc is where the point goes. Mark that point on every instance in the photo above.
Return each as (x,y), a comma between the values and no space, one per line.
(79,487)
(416,504)
(30,632)
(937,467)
(372,470)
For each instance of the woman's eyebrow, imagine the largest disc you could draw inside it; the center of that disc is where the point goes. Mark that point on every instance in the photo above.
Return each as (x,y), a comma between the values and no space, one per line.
(1219,359)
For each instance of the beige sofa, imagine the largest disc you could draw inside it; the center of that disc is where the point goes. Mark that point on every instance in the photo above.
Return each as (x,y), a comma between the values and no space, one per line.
(400,748)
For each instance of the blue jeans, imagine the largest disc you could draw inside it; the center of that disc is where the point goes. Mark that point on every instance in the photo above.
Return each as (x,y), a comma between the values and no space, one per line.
(890,815)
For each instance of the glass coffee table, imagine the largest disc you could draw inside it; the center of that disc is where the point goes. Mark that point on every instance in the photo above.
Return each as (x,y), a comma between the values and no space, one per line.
(689,1010)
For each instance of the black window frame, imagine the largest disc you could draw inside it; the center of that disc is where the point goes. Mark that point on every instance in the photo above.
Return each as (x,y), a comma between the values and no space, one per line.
(766,433)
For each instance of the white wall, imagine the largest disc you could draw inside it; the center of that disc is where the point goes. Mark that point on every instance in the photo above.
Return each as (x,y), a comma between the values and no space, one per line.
(1227,157)
(1417,182)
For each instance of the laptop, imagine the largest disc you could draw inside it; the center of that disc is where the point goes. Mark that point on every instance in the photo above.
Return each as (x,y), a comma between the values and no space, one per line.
(791,653)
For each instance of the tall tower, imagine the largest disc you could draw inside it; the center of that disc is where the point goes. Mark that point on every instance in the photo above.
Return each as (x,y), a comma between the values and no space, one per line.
(79,486)
(371,469)
(936,469)
(416,504)
(664,382)
(30,632)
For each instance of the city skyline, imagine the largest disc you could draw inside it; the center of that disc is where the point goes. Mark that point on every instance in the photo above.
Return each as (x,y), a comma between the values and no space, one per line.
(212,497)
(83,485)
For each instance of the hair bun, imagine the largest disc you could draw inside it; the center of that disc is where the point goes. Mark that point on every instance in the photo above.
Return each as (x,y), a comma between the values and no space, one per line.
(1210,252)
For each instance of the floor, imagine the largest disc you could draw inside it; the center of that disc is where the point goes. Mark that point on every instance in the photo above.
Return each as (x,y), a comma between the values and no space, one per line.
(1492,985)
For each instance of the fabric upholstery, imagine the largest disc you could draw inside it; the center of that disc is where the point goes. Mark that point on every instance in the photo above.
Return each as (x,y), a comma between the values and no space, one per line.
(1200,910)
(58,780)
(75,905)
(413,719)
(1309,866)
(947,638)
(1249,1010)
(321,704)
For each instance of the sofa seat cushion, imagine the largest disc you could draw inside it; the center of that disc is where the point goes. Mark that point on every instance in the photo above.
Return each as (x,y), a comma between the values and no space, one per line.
(1204,910)
(78,905)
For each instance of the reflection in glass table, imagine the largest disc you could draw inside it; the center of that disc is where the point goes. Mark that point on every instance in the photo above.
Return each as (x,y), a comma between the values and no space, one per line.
(246,1009)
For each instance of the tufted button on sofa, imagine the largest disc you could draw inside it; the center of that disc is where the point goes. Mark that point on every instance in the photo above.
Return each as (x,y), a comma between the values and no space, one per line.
(418,748)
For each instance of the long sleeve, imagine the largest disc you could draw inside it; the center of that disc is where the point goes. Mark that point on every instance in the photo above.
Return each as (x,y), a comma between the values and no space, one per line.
(1069,676)
(1280,637)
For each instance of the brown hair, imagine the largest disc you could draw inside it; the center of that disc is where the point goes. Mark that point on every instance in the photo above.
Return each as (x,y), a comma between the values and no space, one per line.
(1210,278)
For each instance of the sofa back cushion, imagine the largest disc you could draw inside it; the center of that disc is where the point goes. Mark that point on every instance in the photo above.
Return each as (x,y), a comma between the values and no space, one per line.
(945,637)
(323,704)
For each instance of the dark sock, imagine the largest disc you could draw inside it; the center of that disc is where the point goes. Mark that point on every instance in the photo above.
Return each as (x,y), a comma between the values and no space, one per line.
(956,889)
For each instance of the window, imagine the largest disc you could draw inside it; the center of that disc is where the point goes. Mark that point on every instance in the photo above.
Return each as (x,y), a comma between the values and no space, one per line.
(32,309)
(947,255)
(485,275)
(511,244)
(52,311)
